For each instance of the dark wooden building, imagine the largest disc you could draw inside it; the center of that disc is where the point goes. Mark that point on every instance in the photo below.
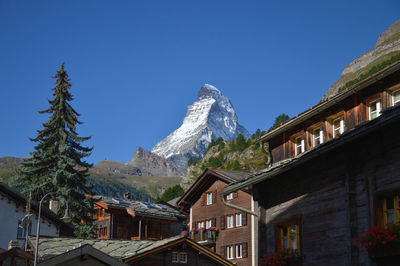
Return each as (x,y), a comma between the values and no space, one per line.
(224,230)
(136,220)
(335,172)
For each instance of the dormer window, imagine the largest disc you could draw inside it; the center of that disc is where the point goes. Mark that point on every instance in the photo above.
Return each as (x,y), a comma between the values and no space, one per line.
(299,145)
(318,136)
(396,97)
(374,109)
(229,196)
(338,126)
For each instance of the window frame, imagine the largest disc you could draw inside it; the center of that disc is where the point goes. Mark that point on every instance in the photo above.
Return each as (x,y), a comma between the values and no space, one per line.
(392,97)
(238,220)
(179,257)
(209,198)
(320,136)
(378,108)
(230,252)
(396,207)
(240,246)
(301,145)
(228,219)
(229,196)
(279,240)
(208,223)
(341,126)
(200,224)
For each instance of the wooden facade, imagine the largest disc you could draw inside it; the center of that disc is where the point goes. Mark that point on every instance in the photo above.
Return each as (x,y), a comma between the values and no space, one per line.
(119,219)
(232,238)
(319,198)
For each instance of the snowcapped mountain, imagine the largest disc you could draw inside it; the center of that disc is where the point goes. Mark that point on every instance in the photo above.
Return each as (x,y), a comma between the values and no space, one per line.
(210,117)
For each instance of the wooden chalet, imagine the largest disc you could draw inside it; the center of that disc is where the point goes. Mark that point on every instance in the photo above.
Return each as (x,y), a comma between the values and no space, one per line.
(334,172)
(136,220)
(223,229)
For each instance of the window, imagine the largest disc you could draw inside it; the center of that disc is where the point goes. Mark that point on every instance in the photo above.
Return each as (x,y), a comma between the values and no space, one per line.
(238,219)
(391,209)
(338,126)
(396,97)
(288,236)
(299,145)
(239,251)
(200,225)
(175,257)
(229,196)
(229,221)
(208,224)
(318,136)
(183,257)
(179,257)
(374,109)
(209,198)
(229,252)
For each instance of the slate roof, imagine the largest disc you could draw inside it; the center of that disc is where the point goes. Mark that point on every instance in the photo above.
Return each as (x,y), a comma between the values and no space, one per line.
(119,249)
(141,208)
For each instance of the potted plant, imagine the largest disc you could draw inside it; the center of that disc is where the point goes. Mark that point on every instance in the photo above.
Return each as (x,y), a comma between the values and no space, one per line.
(382,244)
(288,257)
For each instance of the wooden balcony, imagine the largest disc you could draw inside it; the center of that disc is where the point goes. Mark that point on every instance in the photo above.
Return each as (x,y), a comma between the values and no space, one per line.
(204,237)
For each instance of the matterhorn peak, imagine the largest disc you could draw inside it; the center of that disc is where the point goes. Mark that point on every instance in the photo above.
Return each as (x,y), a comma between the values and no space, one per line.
(210,117)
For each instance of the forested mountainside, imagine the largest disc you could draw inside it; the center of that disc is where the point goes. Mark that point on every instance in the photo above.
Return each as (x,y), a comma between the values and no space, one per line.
(106,180)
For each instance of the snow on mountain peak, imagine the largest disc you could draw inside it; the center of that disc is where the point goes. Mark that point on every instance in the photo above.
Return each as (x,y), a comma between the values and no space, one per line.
(210,117)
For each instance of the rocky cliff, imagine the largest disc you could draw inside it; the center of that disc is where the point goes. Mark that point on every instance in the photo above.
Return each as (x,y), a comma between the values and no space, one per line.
(387,47)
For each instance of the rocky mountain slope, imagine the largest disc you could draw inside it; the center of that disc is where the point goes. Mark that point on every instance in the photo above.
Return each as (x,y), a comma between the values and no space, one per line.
(151,164)
(386,50)
(244,156)
(210,117)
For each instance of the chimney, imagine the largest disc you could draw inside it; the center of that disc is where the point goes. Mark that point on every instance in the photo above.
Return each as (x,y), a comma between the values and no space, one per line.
(127,195)
(12,244)
(53,206)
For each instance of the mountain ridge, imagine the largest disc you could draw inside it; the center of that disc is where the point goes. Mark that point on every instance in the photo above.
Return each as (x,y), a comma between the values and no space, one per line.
(210,117)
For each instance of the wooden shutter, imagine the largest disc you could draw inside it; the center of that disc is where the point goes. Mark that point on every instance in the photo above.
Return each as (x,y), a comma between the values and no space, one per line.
(222,222)
(235,194)
(244,218)
(214,222)
(193,225)
(203,199)
(244,250)
(214,197)
(223,251)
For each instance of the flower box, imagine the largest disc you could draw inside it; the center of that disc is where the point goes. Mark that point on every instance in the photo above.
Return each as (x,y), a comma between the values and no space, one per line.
(388,254)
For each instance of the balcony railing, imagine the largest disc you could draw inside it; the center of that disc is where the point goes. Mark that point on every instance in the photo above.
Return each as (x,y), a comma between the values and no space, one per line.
(203,236)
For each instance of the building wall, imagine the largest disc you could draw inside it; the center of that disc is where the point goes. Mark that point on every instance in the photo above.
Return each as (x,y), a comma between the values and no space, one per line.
(10,214)
(354,109)
(201,211)
(335,197)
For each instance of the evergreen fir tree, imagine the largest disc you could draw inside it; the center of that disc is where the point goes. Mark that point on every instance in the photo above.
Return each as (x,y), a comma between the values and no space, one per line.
(56,163)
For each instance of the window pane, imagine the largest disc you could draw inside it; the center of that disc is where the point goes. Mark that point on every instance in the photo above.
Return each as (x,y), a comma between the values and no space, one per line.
(285,239)
(293,236)
(390,217)
(396,97)
(174,257)
(183,257)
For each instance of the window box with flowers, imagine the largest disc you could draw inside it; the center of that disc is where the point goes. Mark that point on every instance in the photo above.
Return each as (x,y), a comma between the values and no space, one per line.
(382,244)
(288,257)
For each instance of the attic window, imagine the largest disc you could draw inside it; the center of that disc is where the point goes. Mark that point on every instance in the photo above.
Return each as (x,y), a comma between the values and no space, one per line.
(299,145)
(318,136)
(229,196)
(396,97)
(374,109)
(338,126)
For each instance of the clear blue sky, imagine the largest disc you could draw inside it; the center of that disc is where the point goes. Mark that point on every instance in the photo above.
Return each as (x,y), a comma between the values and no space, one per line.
(136,65)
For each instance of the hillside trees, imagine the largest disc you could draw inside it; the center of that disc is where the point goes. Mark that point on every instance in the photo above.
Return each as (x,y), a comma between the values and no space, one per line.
(171,193)
(56,163)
